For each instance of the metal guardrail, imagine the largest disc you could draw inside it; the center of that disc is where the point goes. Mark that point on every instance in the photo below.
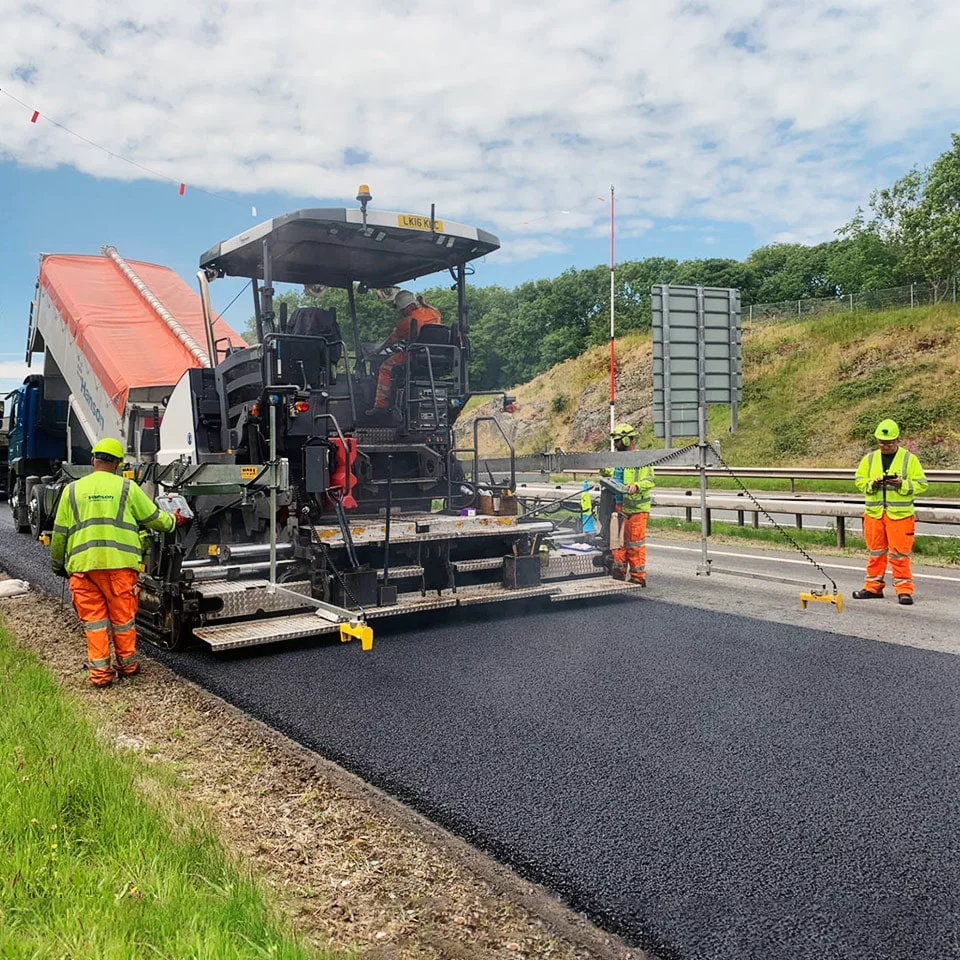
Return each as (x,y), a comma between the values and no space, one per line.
(800,508)
(786,473)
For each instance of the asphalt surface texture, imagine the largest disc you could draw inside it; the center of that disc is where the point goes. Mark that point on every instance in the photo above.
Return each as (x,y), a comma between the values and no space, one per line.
(706,785)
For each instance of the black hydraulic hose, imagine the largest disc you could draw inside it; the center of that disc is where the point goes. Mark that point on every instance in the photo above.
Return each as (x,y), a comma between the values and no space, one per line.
(345,530)
(386,538)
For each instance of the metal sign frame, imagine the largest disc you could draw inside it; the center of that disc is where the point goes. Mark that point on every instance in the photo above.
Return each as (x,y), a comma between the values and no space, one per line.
(689,324)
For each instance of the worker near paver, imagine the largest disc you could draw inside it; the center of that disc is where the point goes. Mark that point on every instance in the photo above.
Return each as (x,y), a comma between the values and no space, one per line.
(415,314)
(628,523)
(889,477)
(96,543)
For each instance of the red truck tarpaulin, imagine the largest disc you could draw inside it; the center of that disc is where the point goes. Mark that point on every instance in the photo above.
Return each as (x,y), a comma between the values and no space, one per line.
(126,343)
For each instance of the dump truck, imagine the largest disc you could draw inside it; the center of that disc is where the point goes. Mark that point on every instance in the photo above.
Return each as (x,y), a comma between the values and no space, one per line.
(314,512)
(109,354)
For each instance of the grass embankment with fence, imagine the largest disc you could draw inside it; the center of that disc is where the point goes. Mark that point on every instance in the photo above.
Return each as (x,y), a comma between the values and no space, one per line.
(813,392)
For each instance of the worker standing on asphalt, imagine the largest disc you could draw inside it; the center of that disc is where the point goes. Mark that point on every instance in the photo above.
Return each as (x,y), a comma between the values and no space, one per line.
(889,478)
(96,543)
(628,524)
(414,316)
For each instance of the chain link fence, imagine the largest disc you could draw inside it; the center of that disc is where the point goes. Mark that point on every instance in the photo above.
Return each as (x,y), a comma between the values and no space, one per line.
(912,295)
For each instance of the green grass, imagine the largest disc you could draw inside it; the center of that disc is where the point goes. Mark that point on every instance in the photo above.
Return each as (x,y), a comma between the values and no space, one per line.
(89,868)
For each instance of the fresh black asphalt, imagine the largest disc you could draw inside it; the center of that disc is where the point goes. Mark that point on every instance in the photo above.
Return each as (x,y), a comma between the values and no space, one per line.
(709,786)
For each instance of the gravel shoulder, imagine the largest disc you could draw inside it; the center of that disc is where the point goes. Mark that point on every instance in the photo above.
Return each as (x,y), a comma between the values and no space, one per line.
(352,867)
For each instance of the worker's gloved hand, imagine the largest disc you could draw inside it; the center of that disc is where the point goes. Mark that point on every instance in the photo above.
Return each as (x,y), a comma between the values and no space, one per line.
(182,521)
(61,572)
(633,488)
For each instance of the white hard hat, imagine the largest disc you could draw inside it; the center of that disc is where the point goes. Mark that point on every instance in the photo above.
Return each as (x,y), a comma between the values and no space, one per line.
(404,299)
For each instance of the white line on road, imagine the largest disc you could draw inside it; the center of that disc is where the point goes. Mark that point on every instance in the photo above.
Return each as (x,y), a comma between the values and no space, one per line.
(751,556)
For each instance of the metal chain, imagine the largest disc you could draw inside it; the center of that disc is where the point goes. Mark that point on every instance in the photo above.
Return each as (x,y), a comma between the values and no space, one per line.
(786,536)
(672,454)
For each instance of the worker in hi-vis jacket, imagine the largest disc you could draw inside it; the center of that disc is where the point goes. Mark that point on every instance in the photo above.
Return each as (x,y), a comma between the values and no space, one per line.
(96,543)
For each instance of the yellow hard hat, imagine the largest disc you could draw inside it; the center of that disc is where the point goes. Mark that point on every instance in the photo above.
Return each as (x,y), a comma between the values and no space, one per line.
(887,430)
(110,448)
(622,431)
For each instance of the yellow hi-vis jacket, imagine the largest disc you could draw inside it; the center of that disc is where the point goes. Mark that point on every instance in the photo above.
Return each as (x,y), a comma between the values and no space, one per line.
(898,502)
(623,477)
(98,524)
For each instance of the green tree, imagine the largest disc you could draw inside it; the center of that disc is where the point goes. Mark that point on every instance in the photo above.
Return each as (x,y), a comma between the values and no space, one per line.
(919,218)
(717,272)
(863,261)
(790,271)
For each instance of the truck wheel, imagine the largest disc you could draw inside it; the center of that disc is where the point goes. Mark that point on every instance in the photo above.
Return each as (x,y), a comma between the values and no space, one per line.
(35,514)
(21,522)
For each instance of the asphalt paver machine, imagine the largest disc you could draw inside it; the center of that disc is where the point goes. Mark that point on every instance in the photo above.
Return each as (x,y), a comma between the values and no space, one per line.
(315,513)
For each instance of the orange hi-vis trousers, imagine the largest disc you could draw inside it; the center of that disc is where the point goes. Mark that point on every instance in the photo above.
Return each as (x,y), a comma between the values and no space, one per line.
(385,379)
(630,560)
(893,540)
(106,602)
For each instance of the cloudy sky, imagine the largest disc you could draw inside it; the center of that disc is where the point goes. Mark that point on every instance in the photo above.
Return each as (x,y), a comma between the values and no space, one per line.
(724,124)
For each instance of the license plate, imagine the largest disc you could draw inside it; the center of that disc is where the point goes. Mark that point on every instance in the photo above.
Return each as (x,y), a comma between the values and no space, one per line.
(411,222)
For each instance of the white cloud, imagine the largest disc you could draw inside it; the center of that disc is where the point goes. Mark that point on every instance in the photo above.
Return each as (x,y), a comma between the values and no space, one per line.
(12,373)
(755,111)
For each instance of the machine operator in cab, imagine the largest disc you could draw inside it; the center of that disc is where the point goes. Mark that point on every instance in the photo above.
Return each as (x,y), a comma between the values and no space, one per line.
(414,316)
(96,543)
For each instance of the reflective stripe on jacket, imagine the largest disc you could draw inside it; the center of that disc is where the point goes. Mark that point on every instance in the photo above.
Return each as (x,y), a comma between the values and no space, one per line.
(98,524)
(643,477)
(898,502)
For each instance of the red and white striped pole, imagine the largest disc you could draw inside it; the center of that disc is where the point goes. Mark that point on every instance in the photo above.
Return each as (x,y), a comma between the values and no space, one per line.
(613,359)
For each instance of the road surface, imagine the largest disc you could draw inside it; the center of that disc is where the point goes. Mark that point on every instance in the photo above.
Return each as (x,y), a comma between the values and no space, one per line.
(707,770)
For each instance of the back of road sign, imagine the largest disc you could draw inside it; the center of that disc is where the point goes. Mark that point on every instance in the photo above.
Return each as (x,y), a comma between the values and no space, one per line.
(696,347)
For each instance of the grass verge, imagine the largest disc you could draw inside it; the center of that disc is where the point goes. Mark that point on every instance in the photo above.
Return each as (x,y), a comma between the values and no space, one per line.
(89,867)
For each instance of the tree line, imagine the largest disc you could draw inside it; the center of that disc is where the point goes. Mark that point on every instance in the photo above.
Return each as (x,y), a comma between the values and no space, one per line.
(911,232)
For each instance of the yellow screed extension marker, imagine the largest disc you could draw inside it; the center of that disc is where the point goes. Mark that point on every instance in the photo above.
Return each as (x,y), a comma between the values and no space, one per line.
(835,598)
(358,631)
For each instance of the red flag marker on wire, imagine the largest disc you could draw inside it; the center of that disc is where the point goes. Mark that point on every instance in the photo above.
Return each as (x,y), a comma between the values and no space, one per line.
(35,116)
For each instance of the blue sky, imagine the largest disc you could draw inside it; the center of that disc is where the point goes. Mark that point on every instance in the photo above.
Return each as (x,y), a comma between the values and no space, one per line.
(724,124)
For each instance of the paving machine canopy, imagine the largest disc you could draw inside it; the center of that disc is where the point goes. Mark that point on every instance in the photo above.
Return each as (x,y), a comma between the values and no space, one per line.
(338,246)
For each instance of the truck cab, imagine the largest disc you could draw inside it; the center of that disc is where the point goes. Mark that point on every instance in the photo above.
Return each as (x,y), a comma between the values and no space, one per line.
(36,431)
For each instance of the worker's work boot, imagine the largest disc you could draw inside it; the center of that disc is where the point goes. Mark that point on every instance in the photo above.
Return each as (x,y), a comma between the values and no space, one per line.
(384,416)
(102,678)
(905,600)
(867,595)
(129,671)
